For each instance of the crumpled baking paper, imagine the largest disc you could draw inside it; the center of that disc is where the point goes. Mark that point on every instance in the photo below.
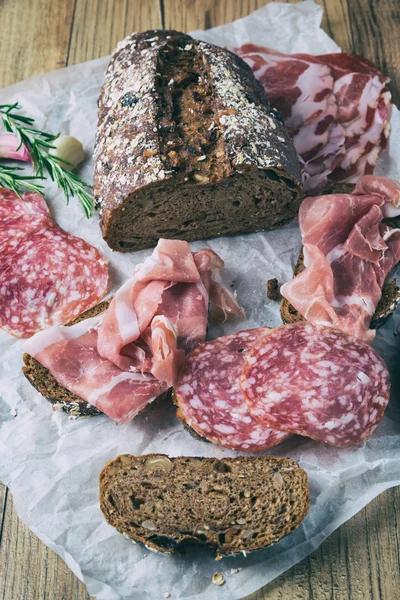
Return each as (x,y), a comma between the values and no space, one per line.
(52,463)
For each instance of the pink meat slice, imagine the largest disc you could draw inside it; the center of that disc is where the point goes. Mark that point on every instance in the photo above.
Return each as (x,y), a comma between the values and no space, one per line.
(47,276)
(186,305)
(137,301)
(70,354)
(336,106)
(316,381)
(135,350)
(348,253)
(172,282)
(210,400)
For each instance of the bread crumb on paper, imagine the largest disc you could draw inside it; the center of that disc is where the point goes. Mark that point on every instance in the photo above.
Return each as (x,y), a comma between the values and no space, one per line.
(218,579)
(273,289)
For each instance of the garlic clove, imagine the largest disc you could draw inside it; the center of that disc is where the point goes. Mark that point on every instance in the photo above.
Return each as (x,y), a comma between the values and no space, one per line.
(69,149)
(10,148)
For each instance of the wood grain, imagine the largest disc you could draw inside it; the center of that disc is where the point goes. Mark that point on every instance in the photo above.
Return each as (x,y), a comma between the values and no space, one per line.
(336,22)
(29,570)
(34,37)
(98,26)
(375,28)
(188,15)
(360,561)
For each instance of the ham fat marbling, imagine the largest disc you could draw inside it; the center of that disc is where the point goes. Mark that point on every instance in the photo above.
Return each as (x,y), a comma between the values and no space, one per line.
(336,107)
(133,352)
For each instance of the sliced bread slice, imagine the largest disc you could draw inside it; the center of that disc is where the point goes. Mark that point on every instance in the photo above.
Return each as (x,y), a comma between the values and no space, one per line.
(232,505)
(388,303)
(44,382)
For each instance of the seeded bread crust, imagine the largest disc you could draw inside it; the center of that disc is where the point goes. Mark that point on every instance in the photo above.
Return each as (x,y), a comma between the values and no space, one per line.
(231,505)
(187,146)
(44,382)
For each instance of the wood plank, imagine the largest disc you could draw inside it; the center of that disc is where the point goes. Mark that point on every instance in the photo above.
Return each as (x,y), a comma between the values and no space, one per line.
(34,38)
(186,15)
(98,26)
(30,571)
(336,22)
(375,31)
(359,561)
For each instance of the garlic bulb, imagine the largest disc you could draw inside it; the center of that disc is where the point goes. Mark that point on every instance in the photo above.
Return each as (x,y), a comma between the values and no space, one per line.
(68,149)
(10,147)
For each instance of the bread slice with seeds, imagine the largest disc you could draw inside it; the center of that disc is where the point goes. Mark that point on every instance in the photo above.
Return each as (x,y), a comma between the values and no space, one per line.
(231,505)
(44,382)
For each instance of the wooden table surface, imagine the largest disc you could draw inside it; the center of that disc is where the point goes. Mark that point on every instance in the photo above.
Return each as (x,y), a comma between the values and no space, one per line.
(361,560)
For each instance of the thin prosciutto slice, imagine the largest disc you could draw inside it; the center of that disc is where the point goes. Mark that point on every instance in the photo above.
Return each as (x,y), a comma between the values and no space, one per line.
(133,352)
(70,354)
(348,253)
(172,282)
(336,107)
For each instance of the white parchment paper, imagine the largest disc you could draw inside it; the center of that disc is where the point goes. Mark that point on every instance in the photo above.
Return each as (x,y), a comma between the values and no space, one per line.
(52,463)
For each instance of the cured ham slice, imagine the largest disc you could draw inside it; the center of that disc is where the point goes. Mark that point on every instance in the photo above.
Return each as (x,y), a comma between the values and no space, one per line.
(348,253)
(336,106)
(70,354)
(133,352)
(47,276)
(137,301)
(172,282)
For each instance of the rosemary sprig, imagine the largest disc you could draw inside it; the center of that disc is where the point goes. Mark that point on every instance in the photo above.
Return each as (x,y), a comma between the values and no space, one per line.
(38,144)
(9,178)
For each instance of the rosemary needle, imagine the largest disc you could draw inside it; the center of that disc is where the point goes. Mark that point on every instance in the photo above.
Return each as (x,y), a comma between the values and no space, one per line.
(38,144)
(10,178)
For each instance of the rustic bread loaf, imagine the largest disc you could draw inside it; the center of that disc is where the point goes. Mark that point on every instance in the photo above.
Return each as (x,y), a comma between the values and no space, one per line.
(187,146)
(231,505)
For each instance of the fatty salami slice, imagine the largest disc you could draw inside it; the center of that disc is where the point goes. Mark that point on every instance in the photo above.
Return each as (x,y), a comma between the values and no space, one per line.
(14,206)
(316,381)
(209,399)
(47,276)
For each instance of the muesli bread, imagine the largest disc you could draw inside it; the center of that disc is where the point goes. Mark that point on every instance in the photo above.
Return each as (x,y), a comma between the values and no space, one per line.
(187,146)
(231,505)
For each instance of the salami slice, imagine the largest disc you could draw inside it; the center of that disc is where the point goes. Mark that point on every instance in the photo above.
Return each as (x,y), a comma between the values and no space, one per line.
(47,276)
(316,381)
(209,399)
